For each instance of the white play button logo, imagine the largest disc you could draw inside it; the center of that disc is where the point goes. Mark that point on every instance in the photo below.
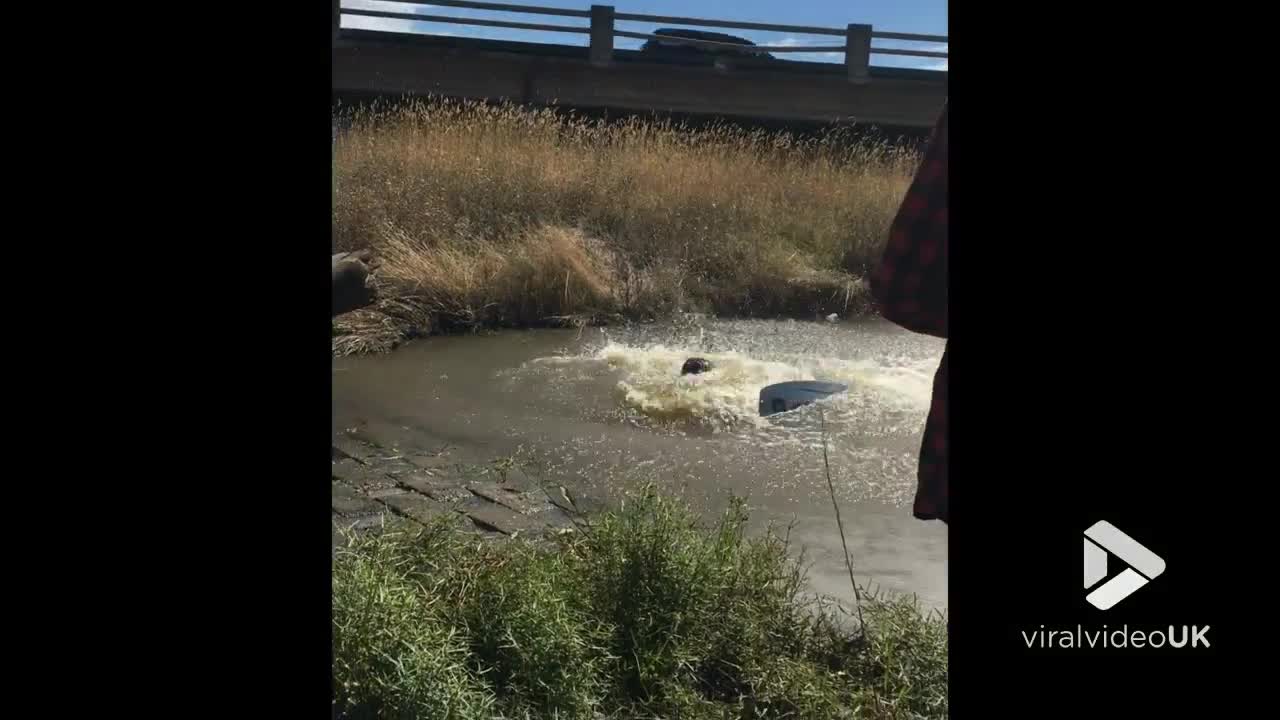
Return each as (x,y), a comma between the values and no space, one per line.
(1144,565)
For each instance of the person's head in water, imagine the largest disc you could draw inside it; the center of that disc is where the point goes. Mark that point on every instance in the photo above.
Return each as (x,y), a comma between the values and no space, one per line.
(695,366)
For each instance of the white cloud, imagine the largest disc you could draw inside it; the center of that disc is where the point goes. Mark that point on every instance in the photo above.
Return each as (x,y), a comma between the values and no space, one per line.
(359,22)
(912,61)
(427,27)
(793,41)
(888,60)
(942,64)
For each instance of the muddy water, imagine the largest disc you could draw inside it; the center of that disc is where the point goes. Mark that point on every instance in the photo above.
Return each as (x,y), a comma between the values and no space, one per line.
(606,410)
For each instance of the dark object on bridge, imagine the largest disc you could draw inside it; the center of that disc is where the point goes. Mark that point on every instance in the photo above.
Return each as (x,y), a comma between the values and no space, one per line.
(693,54)
(787,396)
(351,289)
(695,366)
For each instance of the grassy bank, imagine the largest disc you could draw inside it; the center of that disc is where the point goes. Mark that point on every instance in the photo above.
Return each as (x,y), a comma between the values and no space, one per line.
(647,615)
(501,216)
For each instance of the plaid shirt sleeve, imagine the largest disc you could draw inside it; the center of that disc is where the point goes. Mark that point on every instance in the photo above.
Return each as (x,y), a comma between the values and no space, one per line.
(910,285)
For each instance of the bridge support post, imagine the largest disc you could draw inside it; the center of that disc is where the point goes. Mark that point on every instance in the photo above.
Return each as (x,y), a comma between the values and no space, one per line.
(337,18)
(857,52)
(601,35)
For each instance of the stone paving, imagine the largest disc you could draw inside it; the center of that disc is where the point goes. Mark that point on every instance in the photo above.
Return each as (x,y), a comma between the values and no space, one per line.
(376,488)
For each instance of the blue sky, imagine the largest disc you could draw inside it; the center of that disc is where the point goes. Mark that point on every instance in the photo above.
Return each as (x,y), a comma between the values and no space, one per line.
(907,16)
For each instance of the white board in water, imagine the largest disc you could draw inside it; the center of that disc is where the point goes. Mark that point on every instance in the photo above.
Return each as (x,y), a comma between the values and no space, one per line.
(787,396)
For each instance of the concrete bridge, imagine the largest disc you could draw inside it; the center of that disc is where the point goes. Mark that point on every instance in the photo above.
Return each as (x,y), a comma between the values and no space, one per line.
(600,77)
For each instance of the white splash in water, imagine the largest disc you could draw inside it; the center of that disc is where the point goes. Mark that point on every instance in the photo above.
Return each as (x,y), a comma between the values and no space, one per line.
(871,432)
(728,395)
(652,384)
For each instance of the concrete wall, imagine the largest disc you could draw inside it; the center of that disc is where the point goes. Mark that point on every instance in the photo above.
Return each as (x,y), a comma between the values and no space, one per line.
(368,66)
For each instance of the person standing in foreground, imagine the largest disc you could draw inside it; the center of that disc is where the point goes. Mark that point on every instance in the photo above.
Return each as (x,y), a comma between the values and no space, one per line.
(910,286)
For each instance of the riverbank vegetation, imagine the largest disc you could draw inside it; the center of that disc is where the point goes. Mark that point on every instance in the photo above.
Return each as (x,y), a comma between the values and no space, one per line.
(500,216)
(646,614)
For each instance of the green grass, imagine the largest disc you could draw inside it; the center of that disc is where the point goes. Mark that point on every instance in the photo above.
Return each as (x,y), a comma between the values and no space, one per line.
(649,614)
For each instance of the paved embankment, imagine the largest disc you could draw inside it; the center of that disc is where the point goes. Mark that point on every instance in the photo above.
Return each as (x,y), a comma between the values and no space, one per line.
(376,488)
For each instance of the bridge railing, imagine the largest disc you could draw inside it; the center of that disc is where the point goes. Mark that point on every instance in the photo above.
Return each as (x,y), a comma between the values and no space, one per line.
(602,29)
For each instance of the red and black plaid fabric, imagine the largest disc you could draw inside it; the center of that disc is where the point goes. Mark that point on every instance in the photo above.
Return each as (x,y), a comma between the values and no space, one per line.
(910,285)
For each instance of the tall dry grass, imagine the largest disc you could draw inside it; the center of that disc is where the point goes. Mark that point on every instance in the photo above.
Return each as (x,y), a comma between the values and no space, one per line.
(501,215)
